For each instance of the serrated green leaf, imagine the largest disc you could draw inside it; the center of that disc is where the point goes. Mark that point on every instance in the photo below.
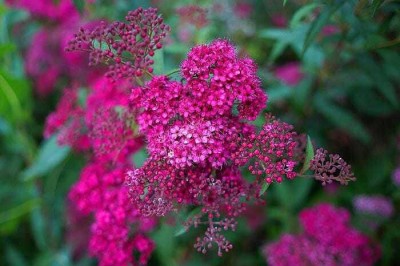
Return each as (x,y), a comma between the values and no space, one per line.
(264,188)
(309,156)
(49,156)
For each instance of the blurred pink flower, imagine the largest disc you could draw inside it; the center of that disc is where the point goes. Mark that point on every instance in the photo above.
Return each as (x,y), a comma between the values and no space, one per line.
(243,9)
(290,73)
(375,205)
(396,176)
(327,239)
(278,20)
(329,30)
(60,11)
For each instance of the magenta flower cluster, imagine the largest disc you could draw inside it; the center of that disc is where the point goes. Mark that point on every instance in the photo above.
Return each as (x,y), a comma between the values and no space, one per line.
(101,124)
(374,205)
(191,135)
(129,45)
(197,131)
(327,239)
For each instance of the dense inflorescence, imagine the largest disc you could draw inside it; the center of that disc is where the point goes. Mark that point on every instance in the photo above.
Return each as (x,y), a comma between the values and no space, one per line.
(327,239)
(130,46)
(191,134)
(197,133)
(270,152)
(98,120)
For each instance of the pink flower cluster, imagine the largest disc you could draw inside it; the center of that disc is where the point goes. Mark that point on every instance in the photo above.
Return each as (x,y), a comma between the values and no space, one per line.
(290,73)
(197,132)
(194,15)
(46,62)
(129,45)
(51,10)
(327,239)
(374,205)
(102,125)
(197,143)
(396,176)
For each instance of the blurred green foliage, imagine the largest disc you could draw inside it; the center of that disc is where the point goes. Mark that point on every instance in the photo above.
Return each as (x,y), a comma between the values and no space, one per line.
(347,101)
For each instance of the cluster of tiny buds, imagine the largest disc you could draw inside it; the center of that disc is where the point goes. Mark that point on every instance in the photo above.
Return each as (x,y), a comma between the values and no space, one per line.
(126,47)
(332,167)
(213,235)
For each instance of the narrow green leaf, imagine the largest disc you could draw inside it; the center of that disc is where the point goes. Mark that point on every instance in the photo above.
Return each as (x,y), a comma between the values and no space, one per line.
(319,23)
(18,211)
(49,156)
(309,156)
(14,256)
(38,228)
(159,62)
(181,229)
(277,50)
(342,118)
(264,188)
(301,13)
(376,4)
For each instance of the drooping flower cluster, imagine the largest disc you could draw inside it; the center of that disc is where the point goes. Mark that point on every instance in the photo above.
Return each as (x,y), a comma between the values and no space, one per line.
(327,239)
(97,119)
(332,167)
(130,46)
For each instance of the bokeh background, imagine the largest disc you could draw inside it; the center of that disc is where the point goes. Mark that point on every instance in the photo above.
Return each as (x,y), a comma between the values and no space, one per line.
(330,68)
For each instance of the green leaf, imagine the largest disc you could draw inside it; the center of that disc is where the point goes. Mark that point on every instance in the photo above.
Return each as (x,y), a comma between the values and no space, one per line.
(80,5)
(301,13)
(181,229)
(376,4)
(278,93)
(264,188)
(164,238)
(341,118)
(49,156)
(38,228)
(309,156)
(14,256)
(319,23)
(159,62)
(18,211)
(140,157)
(296,190)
